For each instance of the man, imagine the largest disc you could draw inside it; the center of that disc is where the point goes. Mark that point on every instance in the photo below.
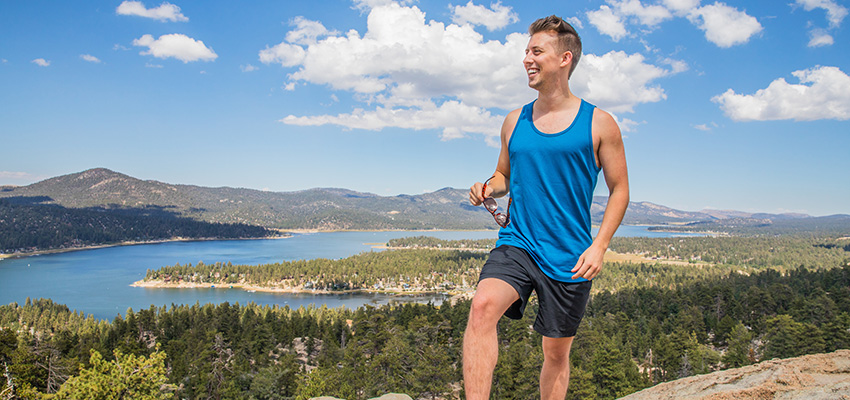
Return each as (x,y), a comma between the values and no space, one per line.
(551,153)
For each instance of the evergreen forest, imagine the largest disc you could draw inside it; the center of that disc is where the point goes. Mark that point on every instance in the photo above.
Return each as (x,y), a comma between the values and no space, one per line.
(26,225)
(646,323)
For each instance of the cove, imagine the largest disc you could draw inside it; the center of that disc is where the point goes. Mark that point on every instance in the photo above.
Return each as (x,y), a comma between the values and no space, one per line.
(97,281)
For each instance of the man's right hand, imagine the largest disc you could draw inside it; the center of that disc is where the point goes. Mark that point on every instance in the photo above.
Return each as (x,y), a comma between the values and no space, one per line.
(475,197)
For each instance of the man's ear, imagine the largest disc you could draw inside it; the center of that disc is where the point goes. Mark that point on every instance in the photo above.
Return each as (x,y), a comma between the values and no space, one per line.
(566,58)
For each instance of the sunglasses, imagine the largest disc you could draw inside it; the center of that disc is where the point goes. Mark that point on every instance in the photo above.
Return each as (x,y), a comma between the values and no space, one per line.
(503,219)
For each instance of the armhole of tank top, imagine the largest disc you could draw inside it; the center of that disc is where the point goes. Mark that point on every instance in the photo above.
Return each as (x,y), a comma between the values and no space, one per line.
(516,124)
(593,160)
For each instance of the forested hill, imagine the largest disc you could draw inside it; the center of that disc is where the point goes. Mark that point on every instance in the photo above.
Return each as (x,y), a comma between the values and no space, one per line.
(340,209)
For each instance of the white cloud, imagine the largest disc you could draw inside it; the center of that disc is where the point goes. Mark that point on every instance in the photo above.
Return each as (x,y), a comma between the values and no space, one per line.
(723,25)
(288,55)
(650,15)
(149,65)
(611,20)
(575,22)
(676,66)
(15,175)
(454,118)
(681,7)
(411,73)
(307,31)
(365,5)
(248,68)
(702,127)
(617,81)
(820,38)
(823,93)
(177,46)
(165,12)
(494,18)
(835,12)
(41,62)
(607,23)
(90,58)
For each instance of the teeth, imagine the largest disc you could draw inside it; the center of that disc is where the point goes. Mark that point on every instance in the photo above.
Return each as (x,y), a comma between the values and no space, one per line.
(533,71)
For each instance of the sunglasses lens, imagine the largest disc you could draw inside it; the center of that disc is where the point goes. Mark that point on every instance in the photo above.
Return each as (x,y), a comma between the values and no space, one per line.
(490,204)
(501,219)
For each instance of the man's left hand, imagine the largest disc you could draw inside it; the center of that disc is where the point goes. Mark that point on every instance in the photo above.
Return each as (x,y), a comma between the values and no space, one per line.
(590,263)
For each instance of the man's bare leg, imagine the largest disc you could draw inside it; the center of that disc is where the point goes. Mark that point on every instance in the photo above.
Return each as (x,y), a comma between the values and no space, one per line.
(555,375)
(480,344)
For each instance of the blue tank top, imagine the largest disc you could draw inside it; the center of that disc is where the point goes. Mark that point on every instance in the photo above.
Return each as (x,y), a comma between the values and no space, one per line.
(551,185)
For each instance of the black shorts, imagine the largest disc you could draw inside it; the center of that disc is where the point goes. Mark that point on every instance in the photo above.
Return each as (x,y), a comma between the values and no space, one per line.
(562,304)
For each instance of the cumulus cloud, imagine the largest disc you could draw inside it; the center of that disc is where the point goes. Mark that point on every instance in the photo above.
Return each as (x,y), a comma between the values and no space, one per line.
(676,66)
(835,12)
(723,25)
(248,68)
(412,73)
(575,22)
(90,58)
(647,15)
(681,7)
(306,32)
(823,93)
(820,38)
(607,22)
(494,18)
(41,62)
(454,118)
(611,20)
(617,81)
(177,46)
(165,12)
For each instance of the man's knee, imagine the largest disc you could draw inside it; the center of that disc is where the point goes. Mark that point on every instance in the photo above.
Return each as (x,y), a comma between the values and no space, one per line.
(557,350)
(484,308)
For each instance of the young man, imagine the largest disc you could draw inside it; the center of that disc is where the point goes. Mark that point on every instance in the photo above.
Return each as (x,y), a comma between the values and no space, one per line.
(552,152)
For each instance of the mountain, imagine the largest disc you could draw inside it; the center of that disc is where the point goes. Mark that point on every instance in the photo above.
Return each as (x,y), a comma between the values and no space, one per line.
(324,209)
(340,209)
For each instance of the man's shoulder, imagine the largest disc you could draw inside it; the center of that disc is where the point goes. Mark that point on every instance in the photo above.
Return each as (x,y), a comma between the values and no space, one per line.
(511,120)
(604,124)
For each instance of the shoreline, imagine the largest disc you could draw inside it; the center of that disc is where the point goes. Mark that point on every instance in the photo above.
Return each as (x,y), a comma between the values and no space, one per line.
(158,284)
(128,243)
(159,241)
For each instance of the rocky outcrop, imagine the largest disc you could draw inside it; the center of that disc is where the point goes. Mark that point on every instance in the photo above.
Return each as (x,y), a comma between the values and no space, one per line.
(811,377)
(388,396)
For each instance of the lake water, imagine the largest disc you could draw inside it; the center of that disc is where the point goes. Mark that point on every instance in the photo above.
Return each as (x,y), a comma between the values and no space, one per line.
(98,281)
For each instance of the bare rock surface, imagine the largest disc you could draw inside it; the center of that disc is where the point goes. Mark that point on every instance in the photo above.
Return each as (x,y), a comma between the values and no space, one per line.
(388,396)
(811,377)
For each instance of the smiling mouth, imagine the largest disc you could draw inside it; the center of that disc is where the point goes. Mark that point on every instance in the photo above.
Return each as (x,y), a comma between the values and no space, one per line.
(532,71)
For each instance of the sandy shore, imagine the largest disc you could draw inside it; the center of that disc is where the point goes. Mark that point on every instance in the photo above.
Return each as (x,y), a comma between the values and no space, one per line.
(295,290)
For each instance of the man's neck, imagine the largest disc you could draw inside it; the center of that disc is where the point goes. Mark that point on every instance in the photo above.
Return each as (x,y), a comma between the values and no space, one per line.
(554,100)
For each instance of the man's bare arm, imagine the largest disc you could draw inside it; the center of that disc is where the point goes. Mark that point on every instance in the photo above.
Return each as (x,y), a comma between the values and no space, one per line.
(500,184)
(612,158)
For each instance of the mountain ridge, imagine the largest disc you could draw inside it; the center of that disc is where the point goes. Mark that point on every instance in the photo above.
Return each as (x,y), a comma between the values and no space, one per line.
(325,208)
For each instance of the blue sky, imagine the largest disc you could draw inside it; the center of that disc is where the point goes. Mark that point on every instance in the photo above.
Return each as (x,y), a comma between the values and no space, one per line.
(728,105)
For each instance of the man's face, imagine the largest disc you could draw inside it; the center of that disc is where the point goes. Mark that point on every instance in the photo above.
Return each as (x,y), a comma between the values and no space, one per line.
(543,61)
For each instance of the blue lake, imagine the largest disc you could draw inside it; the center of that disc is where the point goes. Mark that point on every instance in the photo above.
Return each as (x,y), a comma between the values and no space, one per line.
(98,281)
